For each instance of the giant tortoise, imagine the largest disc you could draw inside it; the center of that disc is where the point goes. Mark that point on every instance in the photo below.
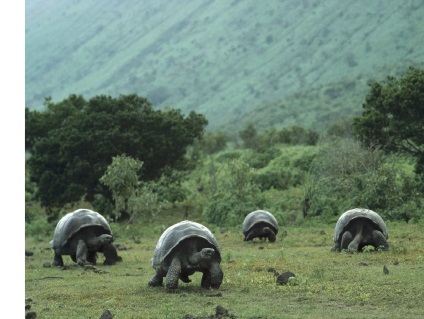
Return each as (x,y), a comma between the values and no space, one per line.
(81,234)
(183,249)
(359,227)
(260,224)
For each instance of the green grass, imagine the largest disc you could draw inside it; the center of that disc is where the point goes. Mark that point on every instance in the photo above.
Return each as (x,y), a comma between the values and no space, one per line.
(327,285)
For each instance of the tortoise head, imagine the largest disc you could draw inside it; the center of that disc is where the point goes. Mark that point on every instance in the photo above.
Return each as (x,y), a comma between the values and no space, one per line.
(207,253)
(105,239)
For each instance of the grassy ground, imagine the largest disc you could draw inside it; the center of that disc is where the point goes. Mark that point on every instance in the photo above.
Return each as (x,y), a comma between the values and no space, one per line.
(327,284)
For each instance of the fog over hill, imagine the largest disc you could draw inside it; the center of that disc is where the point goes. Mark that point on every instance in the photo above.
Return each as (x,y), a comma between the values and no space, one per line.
(273,62)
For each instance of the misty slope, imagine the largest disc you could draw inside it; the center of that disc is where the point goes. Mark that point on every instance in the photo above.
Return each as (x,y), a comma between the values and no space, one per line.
(233,61)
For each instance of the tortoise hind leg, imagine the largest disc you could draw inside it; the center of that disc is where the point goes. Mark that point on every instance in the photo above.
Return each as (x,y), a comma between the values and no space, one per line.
(157,279)
(379,240)
(109,250)
(346,240)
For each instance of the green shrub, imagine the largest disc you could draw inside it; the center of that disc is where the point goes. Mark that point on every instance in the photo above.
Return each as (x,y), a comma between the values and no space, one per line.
(228,156)
(233,194)
(345,175)
(262,158)
(39,227)
(280,180)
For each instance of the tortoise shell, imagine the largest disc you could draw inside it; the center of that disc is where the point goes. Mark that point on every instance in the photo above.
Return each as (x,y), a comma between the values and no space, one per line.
(175,234)
(259,216)
(72,223)
(352,214)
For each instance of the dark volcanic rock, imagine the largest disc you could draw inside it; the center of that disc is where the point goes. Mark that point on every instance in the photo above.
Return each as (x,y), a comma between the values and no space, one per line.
(106,315)
(28,253)
(283,279)
(30,315)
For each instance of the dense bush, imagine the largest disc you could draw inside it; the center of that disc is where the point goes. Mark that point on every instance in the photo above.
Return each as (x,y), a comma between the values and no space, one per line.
(261,159)
(345,175)
(262,141)
(288,169)
(232,194)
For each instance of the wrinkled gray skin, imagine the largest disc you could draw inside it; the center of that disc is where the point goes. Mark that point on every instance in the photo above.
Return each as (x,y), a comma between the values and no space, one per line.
(260,224)
(182,250)
(81,234)
(358,228)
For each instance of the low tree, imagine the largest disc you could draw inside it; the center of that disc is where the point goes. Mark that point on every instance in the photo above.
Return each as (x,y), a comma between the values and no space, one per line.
(131,197)
(393,116)
(121,177)
(73,142)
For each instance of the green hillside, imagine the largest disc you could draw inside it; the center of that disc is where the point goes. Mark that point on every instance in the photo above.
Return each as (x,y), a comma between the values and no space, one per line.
(265,62)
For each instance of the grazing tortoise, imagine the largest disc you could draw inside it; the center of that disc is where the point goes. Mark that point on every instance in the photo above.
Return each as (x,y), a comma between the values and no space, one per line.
(358,228)
(81,234)
(183,249)
(261,224)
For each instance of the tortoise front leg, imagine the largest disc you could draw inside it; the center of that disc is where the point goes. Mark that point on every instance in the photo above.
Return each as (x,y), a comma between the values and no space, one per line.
(212,277)
(271,235)
(81,254)
(206,280)
(109,250)
(173,275)
(250,236)
(91,257)
(57,260)
(216,275)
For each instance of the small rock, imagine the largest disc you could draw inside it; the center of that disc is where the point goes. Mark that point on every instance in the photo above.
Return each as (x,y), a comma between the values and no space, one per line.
(30,315)
(363,263)
(47,265)
(66,267)
(90,267)
(273,271)
(283,279)
(100,271)
(385,270)
(220,311)
(120,247)
(106,315)
(28,253)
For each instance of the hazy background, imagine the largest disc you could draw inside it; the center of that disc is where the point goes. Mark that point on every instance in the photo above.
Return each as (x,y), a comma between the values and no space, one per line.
(271,63)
